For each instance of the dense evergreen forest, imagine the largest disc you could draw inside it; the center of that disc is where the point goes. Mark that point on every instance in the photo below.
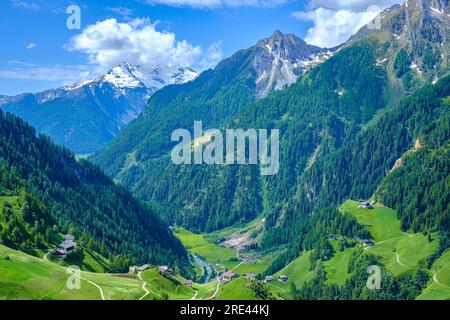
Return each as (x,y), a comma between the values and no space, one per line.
(418,189)
(79,197)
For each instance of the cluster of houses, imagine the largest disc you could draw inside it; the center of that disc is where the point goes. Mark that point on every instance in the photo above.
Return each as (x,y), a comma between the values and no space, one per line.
(67,246)
(367,204)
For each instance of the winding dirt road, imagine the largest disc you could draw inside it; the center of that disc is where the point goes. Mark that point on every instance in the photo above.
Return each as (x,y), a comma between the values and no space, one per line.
(143,286)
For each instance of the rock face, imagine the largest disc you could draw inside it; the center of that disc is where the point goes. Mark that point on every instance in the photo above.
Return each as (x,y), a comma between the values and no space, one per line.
(87,115)
(422,28)
(281,59)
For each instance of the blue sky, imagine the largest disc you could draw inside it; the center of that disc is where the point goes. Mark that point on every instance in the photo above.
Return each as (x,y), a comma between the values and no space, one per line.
(40,52)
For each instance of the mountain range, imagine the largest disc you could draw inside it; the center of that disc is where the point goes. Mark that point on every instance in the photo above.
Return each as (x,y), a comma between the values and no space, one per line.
(365,121)
(87,115)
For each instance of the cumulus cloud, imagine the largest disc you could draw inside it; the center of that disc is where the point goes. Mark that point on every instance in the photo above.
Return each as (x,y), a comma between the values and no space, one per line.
(219,3)
(109,42)
(335,21)
(212,56)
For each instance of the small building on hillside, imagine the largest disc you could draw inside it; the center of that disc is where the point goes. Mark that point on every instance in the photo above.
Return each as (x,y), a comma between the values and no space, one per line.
(188,283)
(142,268)
(366,205)
(227,276)
(65,248)
(136,269)
(165,271)
(268,278)
(367,243)
(250,276)
(283,278)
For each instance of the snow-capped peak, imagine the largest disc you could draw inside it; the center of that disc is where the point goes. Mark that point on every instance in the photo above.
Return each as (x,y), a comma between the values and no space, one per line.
(152,77)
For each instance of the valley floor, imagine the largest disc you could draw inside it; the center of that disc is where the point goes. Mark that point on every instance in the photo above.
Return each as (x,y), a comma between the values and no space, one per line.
(26,277)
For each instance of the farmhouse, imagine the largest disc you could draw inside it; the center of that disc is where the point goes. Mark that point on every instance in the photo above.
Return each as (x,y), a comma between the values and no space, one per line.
(228,276)
(366,205)
(66,247)
(165,271)
(250,276)
(188,283)
(367,243)
(135,269)
(283,278)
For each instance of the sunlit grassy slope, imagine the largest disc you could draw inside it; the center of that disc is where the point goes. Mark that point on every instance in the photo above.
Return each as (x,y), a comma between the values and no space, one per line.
(400,251)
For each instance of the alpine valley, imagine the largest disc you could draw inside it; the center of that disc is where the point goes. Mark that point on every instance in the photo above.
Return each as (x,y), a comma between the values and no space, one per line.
(364,175)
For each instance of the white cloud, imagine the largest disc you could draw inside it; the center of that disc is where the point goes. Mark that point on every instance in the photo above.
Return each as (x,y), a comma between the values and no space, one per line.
(335,21)
(212,56)
(31,45)
(108,43)
(60,74)
(25,5)
(123,11)
(353,5)
(219,3)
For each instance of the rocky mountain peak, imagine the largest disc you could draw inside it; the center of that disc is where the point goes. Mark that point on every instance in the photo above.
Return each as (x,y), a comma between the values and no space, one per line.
(281,59)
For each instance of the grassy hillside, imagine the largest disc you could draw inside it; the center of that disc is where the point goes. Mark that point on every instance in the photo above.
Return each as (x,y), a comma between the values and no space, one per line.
(439,287)
(238,289)
(337,268)
(298,271)
(162,288)
(26,277)
(399,251)
(58,192)
(401,254)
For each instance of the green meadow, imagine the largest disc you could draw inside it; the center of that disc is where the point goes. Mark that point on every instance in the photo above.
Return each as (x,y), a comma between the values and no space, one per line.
(162,288)
(210,252)
(400,252)
(439,287)
(238,289)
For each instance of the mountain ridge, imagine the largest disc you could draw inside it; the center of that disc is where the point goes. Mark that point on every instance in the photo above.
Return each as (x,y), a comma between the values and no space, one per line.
(85,116)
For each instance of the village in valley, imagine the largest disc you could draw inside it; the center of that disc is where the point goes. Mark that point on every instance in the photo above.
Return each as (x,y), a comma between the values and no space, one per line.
(220,273)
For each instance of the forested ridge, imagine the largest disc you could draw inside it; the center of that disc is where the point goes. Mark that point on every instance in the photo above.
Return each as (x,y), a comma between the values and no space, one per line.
(78,196)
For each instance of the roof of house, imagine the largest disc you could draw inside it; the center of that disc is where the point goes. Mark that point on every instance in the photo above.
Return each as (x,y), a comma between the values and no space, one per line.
(67,244)
(229,274)
(60,251)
